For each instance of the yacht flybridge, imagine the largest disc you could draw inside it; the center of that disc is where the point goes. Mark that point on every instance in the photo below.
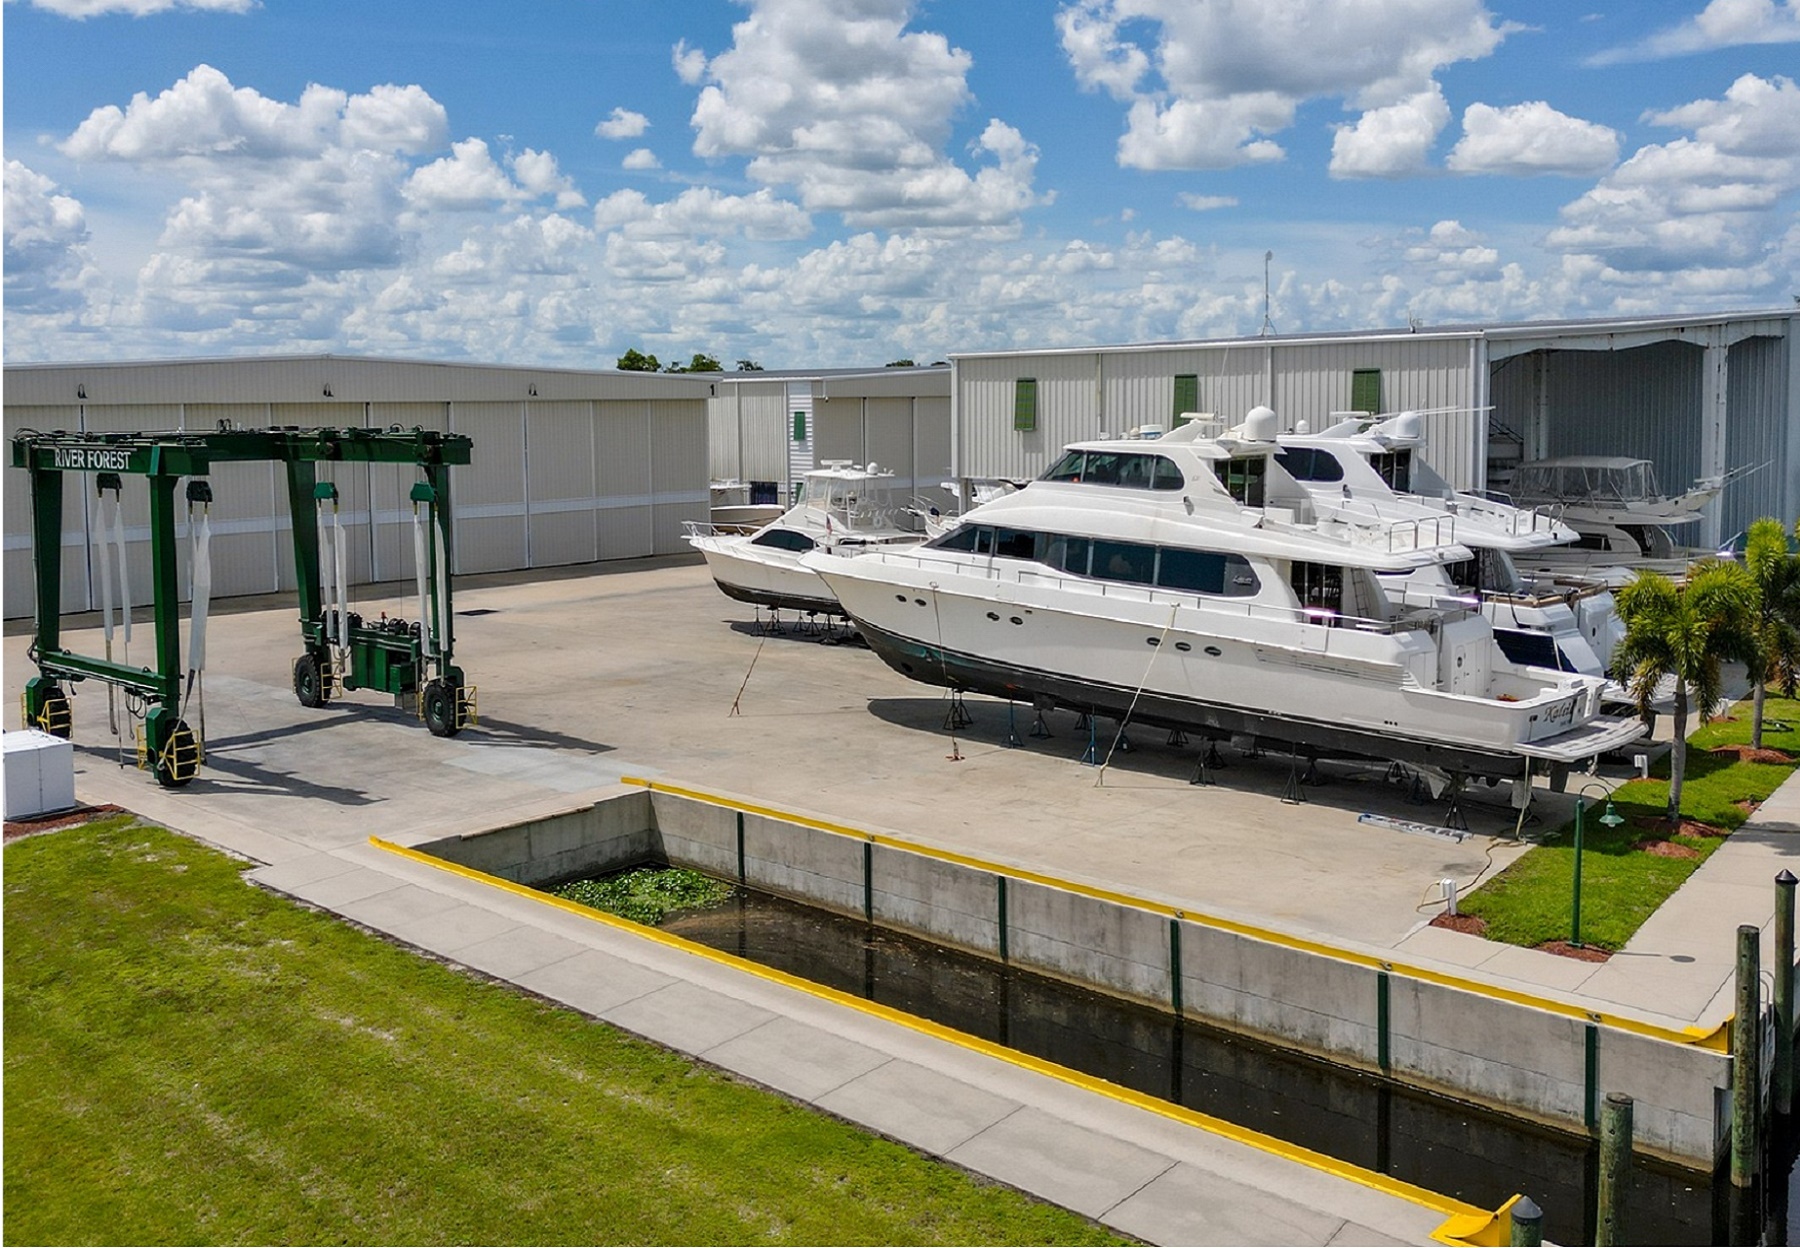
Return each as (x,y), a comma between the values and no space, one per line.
(842,507)
(1190,583)
(1376,466)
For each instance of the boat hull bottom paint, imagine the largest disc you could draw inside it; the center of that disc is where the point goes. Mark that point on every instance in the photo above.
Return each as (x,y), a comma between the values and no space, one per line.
(929,664)
(781,600)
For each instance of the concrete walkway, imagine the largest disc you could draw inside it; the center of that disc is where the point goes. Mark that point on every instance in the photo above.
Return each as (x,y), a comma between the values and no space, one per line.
(1137,1171)
(1679,969)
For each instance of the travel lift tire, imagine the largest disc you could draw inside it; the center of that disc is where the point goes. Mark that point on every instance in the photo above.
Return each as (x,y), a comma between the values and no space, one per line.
(55,715)
(438,705)
(310,672)
(179,760)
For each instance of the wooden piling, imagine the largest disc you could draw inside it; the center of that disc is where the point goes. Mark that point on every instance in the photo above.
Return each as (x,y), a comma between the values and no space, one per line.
(1746,1066)
(1615,1170)
(1784,993)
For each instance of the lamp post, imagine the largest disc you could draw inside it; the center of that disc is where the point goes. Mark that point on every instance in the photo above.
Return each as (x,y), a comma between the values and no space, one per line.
(1612,819)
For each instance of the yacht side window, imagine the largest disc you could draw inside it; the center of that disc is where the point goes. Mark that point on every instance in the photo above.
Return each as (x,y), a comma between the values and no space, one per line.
(1244,478)
(1016,543)
(1125,561)
(1103,468)
(1068,468)
(1394,467)
(1167,475)
(962,537)
(1206,572)
(783,539)
(1309,463)
(1068,554)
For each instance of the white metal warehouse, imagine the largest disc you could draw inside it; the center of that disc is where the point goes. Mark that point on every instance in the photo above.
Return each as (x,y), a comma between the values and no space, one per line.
(569,466)
(1697,395)
(771,427)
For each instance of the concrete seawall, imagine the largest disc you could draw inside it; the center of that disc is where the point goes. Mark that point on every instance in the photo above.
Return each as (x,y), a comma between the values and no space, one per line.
(1526,1055)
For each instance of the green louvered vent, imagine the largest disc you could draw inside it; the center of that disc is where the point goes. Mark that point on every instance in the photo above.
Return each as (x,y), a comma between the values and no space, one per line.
(1187,395)
(1365,390)
(1025,404)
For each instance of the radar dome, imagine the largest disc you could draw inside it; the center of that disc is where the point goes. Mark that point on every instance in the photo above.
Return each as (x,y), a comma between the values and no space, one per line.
(1260,424)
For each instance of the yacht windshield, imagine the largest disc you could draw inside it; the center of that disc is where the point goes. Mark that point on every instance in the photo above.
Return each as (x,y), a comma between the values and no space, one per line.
(1310,463)
(1127,468)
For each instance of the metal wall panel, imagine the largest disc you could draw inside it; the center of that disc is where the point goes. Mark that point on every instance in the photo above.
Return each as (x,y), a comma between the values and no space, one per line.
(144,418)
(559,450)
(1643,402)
(888,441)
(622,462)
(838,430)
(677,468)
(249,513)
(490,493)
(1758,432)
(1068,410)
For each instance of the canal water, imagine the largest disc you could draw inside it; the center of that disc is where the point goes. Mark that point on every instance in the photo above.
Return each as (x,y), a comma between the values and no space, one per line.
(1437,1143)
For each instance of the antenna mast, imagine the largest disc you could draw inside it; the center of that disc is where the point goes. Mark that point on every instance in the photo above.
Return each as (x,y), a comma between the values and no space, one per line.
(1268,326)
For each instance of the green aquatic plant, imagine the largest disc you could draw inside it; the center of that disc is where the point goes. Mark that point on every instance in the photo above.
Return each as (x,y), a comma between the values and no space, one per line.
(647,895)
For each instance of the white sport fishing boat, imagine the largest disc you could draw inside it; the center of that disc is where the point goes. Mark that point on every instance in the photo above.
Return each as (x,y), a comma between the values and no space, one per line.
(1376,464)
(1191,583)
(842,509)
(1620,513)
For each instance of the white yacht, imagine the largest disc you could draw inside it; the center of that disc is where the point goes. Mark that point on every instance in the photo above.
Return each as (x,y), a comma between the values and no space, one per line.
(1191,583)
(842,508)
(1620,513)
(1566,622)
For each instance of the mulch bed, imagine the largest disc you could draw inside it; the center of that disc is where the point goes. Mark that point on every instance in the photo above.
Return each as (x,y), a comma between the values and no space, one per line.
(15,828)
(1467,924)
(1689,827)
(1581,953)
(1750,754)
(1667,849)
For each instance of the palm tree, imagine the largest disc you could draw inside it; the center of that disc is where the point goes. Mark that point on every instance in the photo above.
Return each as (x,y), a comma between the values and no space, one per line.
(1684,632)
(1775,574)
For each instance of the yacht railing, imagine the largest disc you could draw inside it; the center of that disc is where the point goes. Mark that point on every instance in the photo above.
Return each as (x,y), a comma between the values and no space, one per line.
(1415,619)
(1390,536)
(1516,521)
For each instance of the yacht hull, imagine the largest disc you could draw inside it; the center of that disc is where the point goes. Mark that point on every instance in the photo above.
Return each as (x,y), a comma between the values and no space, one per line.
(767,578)
(1224,681)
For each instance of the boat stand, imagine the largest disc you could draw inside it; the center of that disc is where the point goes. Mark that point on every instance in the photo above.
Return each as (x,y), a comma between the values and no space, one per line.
(1291,792)
(1012,732)
(1090,757)
(1212,759)
(1312,776)
(1039,728)
(1453,814)
(1203,769)
(958,715)
(1177,738)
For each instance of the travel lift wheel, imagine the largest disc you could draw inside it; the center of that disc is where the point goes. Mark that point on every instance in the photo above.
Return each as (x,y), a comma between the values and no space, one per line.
(438,705)
(55,716)
(310,686)
(177,760)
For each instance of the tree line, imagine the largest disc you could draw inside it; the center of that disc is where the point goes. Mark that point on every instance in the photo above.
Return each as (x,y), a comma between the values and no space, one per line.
(635,361)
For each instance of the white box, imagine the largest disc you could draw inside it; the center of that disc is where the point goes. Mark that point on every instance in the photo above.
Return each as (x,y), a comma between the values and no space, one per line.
(40,773)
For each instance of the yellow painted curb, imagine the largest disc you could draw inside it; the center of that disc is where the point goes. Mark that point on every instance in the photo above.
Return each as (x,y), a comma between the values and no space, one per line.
(1718,1039)
(1464,1223)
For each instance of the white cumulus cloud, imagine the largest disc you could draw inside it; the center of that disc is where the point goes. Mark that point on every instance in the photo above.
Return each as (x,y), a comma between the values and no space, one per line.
(1210,84)
(853,110)
(639,159)
(1392,141)
(1532,138)
(622,124)
(1714,203)
(48,269)
(1721,24)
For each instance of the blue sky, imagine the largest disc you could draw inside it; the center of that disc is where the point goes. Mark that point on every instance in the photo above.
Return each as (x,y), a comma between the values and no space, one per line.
(824,183)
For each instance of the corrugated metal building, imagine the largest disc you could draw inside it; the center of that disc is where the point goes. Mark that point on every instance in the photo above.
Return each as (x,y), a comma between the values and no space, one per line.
(569,466)
(1697,395)
(772,427)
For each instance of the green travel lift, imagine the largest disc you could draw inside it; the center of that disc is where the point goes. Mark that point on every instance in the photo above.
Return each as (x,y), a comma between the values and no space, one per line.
(342,651)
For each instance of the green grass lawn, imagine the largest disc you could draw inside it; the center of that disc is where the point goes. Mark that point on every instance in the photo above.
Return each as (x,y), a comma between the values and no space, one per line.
(1621,885)
(192,1060)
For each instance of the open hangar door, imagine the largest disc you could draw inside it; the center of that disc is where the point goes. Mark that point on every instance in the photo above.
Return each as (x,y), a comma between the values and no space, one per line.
(1692,408)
